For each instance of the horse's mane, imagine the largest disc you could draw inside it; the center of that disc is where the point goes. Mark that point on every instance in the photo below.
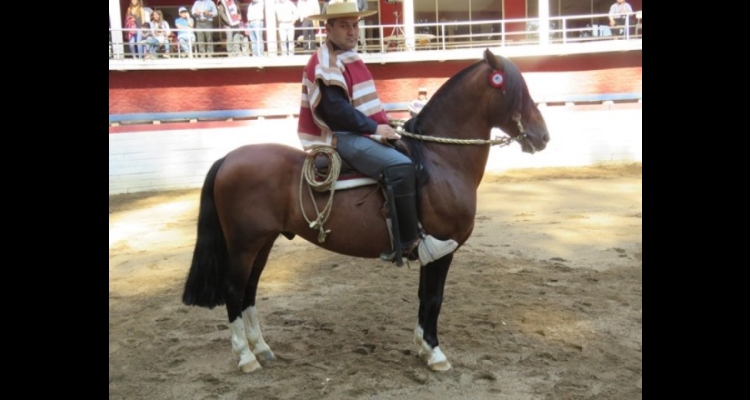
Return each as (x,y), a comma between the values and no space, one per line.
(515,91)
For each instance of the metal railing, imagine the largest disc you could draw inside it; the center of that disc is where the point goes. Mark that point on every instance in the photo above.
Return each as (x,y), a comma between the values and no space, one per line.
(392,38)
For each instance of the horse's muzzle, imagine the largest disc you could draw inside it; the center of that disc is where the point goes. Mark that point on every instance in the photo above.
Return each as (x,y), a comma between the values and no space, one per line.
(532,143)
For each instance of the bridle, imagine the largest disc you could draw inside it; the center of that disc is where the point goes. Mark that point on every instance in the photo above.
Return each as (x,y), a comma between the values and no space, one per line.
(398,125)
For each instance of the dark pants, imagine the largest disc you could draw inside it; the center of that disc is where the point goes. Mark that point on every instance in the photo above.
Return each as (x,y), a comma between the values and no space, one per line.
(395,170)
(619,28)
(205,40)
(308,34)
(366,155)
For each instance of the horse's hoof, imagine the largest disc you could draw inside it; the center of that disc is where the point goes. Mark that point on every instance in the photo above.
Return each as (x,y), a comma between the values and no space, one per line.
(441,366)
(436,360)
(250,367)
(265,355)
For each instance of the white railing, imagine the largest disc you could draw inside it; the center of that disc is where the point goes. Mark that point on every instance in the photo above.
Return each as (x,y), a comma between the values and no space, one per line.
(426,36)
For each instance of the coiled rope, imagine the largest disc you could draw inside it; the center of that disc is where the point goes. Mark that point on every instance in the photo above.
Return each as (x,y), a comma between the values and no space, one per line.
(310,175)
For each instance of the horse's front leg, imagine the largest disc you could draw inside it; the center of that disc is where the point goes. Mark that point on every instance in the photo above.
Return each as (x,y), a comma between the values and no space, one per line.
(431,283)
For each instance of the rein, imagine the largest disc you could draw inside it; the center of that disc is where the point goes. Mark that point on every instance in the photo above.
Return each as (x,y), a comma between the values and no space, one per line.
(398,125)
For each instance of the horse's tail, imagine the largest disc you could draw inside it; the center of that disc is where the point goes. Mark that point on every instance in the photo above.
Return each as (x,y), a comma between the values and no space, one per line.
(210,256)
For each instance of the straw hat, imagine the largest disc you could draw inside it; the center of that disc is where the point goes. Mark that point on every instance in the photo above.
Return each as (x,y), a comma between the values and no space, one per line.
(345,9)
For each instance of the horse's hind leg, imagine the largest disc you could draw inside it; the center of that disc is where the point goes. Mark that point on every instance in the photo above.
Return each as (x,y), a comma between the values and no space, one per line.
(241,263)
(250,314)
(431,283)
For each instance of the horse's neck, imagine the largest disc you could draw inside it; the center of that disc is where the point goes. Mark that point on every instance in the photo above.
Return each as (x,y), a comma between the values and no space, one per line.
(461,116)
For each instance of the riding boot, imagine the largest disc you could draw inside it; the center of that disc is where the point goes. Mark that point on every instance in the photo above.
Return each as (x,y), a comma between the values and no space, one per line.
(401,181)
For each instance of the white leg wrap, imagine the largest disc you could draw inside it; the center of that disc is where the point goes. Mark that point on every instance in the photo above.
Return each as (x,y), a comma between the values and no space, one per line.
(240,347)
(436,360)
(254,335)
(431,249)
(418,332)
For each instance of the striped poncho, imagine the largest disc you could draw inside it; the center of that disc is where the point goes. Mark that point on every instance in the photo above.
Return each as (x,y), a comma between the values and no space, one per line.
(335,68)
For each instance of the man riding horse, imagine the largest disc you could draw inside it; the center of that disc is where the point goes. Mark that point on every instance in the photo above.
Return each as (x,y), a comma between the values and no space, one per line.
(340,108)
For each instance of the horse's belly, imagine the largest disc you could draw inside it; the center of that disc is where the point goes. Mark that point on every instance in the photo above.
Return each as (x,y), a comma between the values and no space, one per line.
(354,227)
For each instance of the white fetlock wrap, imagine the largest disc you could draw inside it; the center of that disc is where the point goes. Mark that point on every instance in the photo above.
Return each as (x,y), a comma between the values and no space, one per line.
(431,249)
(418,332)
(438,361)
(248,361)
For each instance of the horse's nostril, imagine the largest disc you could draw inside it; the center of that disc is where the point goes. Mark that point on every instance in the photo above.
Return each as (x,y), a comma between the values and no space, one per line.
(545,138)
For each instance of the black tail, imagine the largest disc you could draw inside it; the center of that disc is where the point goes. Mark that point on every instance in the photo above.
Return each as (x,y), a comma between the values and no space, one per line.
(210,257)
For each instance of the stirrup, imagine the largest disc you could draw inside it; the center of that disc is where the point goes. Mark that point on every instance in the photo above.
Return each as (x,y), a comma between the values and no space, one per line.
(409,252)
(431,249)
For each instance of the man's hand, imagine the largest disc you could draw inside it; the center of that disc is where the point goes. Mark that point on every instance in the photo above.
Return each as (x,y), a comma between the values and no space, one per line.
(386,132)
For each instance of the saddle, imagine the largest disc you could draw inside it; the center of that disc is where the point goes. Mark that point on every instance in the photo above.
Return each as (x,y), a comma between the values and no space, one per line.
(348,176)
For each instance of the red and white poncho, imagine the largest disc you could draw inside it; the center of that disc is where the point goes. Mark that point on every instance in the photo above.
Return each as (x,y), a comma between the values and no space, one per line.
(335,68)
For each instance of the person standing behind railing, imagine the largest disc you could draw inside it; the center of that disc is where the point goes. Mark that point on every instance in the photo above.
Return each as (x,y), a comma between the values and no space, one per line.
(362,6)
(140,14)
(185,37)
(204,12)
(286,16)
(307,8)
(255,20)
(231,18)
(619,13)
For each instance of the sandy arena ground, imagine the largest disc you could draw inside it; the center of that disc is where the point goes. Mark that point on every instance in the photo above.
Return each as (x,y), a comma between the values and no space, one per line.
(544,301)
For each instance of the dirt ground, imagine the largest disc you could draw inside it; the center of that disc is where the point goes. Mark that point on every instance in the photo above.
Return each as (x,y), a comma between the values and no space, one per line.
(544,301)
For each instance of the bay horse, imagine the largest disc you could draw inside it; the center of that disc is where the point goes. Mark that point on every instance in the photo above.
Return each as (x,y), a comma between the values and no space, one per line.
(250,197)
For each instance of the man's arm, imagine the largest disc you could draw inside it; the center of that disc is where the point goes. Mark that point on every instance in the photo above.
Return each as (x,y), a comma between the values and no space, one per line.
(334,108)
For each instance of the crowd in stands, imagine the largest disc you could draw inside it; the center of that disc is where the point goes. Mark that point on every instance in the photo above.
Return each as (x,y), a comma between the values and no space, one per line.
(236,28)
(150,32)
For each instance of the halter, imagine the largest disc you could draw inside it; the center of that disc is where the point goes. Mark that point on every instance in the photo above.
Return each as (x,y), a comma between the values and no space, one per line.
(398,125)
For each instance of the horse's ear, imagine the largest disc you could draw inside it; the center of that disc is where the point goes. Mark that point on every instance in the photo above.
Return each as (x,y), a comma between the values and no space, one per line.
(493,60)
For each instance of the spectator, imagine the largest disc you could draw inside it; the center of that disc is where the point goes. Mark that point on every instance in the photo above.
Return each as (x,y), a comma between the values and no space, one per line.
(417,104)
(184,25)
(339,101)
(362,6)
(256,22)
(131,35)
(307,8)
(245,42)
(231,17)
(286,16)
(135,16)
(146,39)
(619,13)
(204,12)
(159,34)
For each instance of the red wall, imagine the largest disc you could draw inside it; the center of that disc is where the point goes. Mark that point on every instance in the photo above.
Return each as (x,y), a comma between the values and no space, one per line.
(513,9)
(242,89)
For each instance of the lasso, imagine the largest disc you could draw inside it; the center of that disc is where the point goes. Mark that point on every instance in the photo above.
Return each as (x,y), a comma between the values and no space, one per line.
(309,175)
